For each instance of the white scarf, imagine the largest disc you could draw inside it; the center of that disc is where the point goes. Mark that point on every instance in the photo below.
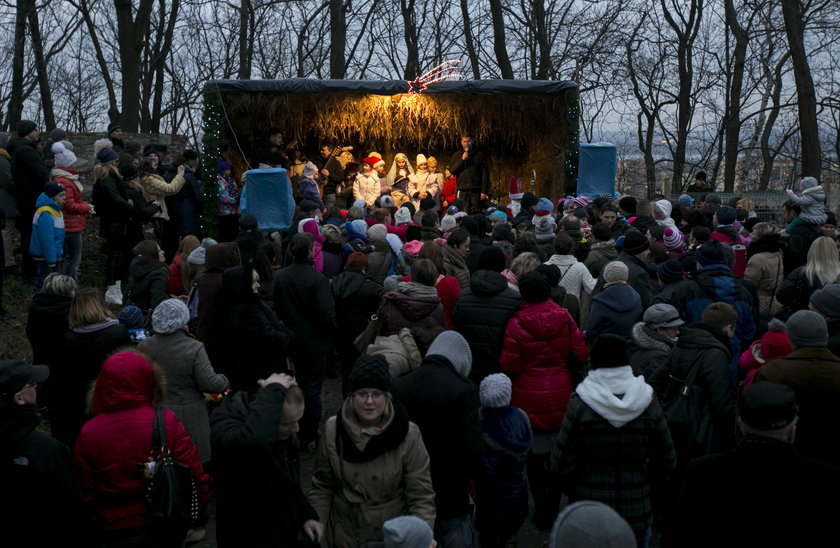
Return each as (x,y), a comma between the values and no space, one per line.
(598,390)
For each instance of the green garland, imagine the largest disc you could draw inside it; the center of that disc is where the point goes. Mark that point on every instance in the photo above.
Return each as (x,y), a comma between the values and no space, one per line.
(572,144)
(211,142)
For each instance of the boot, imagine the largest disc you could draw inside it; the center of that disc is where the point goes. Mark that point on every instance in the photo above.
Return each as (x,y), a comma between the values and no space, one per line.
(113,295)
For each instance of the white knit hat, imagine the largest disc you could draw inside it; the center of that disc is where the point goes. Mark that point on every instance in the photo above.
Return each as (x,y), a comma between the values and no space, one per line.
(495,390)
(454,347)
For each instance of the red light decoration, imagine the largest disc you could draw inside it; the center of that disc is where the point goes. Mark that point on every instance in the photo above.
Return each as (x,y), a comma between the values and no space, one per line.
(448,70)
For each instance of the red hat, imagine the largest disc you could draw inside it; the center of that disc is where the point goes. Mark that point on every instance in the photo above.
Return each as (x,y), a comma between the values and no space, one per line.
(516,190)
(775,342)
(372,160)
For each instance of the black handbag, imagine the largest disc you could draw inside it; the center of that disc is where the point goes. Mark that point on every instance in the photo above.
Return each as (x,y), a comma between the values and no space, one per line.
(371,331)
(171,491)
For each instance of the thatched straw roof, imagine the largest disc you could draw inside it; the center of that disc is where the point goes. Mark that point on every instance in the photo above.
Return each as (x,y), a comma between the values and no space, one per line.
(521,124)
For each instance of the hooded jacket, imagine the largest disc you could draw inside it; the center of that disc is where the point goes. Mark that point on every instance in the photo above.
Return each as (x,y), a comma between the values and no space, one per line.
(244,429)
(417,307)
(456,266)
(47,243)
(649,351)
(356,300)
(481,316)
(614,310)
(538,341)
(765,269)
(147,283)
(119,437)
(600,254)
(728,235)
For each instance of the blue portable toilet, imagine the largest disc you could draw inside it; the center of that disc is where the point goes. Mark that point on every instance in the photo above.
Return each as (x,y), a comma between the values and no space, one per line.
(597,166)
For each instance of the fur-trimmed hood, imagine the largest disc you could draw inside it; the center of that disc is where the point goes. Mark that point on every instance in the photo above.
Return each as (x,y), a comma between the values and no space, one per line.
(649,339)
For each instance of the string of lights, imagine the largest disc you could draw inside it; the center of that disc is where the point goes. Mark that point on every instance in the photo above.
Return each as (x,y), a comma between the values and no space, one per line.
(448,70)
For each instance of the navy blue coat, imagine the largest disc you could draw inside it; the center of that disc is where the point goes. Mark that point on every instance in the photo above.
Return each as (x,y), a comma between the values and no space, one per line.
(614,310)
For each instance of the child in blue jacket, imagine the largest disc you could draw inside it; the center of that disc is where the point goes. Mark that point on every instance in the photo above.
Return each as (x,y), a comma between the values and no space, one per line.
(501,486)
(47,242)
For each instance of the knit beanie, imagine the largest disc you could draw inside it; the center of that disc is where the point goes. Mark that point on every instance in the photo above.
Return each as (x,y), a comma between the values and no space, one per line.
(726,215)
(544,226)
(544,207)
(197,256)
(635,242)
(673,239)
(248,222)
(427,203)
(377,232)
(775,342)
(534,287)
(806,328)
(224,166)
(827,300)
(550,272)
(52,189)
(711,252)
(529,199)
(58,134)
(628,204)
(307,206)
(106,156)
(359,227)
(615,272)
(63,156)
(360,204)
(170,316)
(356,261)
(582,201)
(407,532)
(495,390)
(491,258)
(448,222)
(309,170)
(402,216)
(608,350)
(767,406)
(370,372)
(454,347)
(670,272)
(501,232)
(591,524)
(25,127)
(387,202)
(131,317)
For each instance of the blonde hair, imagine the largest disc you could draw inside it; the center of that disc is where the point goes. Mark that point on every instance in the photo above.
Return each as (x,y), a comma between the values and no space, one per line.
(103,171)
(746,204)
(88,308)
(59,284)
(762,230)
(823,265)
(524,263)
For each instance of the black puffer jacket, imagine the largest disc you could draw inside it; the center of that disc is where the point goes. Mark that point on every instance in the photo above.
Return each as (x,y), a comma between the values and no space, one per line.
(147,284)
(481,316)
(444,405)
(707,345)
(255,473)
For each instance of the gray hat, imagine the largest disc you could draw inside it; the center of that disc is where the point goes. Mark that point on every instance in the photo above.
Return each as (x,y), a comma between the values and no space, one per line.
(495,390)
(662,315)
(170,316)
(407,532)
(615,272)
(197,256)
(591,524)
(386,201)
(827,300)
(806,328)
(454,347)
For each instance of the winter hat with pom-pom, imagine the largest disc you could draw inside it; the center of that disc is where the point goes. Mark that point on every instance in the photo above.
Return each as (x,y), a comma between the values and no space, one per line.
(62,155)
(673,239)
(775,342)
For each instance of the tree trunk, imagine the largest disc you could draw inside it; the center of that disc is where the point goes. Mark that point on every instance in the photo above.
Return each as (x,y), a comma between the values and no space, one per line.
(468,38)
(130,32)
(732,123)
(159,64)
(499,42)
(41,67)
(412,59)
(244,34)
(544,66)
(338,40)
(18,61)
(806,96)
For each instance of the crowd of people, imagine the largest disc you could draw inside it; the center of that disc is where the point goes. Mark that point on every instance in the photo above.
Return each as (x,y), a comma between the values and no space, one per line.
(665,365)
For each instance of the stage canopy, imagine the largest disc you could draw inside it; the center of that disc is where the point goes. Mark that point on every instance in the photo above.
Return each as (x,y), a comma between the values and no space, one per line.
(528,128)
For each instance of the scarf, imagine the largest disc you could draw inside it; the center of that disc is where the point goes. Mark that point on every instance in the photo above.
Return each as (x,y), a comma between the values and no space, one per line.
(615,394)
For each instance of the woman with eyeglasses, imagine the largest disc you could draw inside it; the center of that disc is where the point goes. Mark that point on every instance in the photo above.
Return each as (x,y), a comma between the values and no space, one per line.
(372,465)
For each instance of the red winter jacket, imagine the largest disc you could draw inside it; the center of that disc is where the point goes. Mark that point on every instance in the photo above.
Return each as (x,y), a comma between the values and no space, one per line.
(175,281)
(538,341)
(119,437)
(74,209)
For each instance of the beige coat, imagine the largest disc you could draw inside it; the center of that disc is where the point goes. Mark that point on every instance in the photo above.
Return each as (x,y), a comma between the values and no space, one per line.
(354,500)
(766,271)
(154,187)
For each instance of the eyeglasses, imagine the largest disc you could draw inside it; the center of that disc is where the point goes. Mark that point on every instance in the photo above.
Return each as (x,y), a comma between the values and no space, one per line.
(372,395)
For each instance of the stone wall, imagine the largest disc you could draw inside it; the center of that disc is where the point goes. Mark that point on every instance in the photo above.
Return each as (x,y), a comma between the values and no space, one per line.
(83,145)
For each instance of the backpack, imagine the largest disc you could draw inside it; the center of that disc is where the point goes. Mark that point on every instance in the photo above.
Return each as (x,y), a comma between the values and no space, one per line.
(686,409)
